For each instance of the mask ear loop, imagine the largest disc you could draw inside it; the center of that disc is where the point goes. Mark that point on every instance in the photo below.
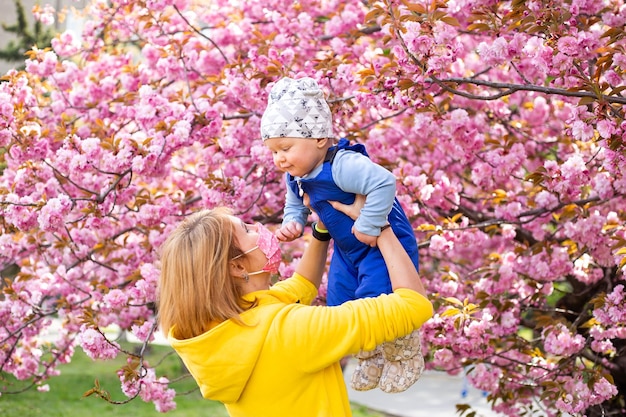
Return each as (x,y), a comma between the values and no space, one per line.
(244,274)
(245,253)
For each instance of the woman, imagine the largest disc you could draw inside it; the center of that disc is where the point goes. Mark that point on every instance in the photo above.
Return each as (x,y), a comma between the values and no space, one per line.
(263,350)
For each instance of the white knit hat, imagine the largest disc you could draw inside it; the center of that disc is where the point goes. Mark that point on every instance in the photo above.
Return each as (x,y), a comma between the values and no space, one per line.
(296,109)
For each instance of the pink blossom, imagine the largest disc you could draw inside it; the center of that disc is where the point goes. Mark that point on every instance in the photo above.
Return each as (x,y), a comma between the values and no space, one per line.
(444,358)
(613,19)
(582,130)
(613,312)
(540,111)
(19,214)
(602,184)
(604,347)
(66,44)
(45,14)
(441,244)
(604,390)
(568,45)
(613,77)
(567,404)
(349,18)
(580,394)
(560,341)
(144,332)
(606,128)
(115,299)
(484,377)
(546,199)
(96,346)
(509,211)
(150,389)
(585,6)
(585,272)
(44,65)
(495,53)
(449,288)
(27,362)
(537,52)
(573,173)
(482,175)
(155,390)
(52,215)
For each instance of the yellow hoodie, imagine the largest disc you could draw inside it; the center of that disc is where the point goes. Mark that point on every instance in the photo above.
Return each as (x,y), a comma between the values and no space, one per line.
(285,363)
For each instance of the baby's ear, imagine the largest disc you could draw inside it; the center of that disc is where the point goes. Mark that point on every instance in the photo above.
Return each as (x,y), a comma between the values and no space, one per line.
(324,142)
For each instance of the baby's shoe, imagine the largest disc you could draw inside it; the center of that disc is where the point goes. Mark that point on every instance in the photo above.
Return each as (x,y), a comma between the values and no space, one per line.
(404,363)
(368,370)
(398,376)
(403,347)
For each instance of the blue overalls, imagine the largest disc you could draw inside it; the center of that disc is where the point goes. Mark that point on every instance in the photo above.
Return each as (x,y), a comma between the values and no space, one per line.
(356,269)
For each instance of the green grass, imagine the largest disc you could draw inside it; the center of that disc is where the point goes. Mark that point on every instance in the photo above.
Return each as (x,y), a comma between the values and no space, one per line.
(65,398)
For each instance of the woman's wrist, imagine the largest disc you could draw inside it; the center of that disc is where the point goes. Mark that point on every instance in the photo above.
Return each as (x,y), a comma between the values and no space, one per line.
(386,230)
(320,233)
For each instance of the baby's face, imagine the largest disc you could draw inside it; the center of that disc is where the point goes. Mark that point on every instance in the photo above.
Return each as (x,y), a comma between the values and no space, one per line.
(297,156)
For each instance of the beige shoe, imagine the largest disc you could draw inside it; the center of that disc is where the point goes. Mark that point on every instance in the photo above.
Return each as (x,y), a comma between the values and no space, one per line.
(368,371)
(404,363)
(398,376)
(403,347)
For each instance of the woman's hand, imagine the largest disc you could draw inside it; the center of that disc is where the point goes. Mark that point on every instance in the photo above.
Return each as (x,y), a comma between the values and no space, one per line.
(402,271)
(352,210)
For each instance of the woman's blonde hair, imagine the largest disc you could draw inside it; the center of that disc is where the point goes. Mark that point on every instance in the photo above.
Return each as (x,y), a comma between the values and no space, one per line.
(196,288)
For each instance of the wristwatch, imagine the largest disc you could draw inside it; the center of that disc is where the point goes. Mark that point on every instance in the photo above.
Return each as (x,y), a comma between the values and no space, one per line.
(320,234)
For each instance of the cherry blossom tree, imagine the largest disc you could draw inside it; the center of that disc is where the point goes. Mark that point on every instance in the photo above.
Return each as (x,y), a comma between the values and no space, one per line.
(502,120)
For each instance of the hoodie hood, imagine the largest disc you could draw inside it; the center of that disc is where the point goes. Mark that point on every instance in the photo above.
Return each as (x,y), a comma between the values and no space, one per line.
(223,359)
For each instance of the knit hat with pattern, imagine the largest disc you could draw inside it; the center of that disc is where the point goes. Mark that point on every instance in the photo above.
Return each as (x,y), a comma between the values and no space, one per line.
(297,109)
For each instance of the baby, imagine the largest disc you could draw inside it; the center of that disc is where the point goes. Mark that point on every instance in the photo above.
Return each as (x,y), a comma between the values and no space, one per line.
(297,128)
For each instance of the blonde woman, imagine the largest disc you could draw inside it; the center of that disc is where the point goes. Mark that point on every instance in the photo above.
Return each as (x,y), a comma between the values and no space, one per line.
(262,349)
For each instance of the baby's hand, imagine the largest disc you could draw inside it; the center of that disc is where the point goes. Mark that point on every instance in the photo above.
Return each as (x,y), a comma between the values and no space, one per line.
(289,232)
(367,239)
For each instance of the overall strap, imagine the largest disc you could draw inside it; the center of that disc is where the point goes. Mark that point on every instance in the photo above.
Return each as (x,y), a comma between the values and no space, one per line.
(332,151)
(330,154)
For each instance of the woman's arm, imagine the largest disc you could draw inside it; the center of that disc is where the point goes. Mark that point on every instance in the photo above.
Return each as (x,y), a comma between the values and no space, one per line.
(313,262)
(402,272)
(331,333)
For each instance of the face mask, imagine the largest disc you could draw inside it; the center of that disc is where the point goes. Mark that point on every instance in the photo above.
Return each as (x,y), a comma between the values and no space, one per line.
(268,244)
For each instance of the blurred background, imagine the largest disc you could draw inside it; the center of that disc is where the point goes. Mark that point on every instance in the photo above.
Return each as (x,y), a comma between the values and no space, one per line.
(19,31)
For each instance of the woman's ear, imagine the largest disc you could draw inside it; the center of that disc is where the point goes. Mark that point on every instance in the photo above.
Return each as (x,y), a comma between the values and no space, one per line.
(237,268)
